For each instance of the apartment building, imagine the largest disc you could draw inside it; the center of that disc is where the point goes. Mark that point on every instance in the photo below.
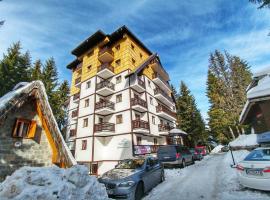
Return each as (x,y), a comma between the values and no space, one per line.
(121,103)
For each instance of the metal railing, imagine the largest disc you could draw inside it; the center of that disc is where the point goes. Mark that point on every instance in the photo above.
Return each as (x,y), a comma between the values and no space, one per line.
(104,126)
(104,104)
(140,124)
(161,108)
(138,101)
(104,84)
(105,66)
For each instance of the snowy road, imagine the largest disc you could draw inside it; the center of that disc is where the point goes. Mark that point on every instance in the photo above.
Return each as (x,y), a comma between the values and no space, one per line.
(211,178)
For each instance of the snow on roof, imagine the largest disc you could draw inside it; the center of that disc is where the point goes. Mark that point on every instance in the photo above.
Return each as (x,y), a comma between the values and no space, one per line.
(217,149)
(262,72)
(262,89)
(10,99)
(49,183)
(244,140)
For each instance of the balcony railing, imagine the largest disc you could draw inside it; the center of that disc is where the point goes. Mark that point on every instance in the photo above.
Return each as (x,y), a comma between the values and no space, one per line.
(105,49)
(105,104)
(104,126)
(105,66)
(140,124)
(160,91)
(77,80)
(164,127)
(161,108)
(76,96)
(156,75)
(138,101)
(104,84)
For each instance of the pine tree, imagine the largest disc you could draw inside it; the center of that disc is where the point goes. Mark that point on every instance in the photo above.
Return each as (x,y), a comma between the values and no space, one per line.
(36,72)
(263,3)
(14,68)
(2,21)
(228,77)
(189,117)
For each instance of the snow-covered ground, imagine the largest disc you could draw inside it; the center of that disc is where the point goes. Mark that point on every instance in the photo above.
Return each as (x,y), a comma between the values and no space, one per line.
(51,183)
(211,178)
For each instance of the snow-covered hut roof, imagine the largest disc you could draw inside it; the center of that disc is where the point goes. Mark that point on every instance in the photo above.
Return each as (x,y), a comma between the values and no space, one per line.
(177,131)
(20,93)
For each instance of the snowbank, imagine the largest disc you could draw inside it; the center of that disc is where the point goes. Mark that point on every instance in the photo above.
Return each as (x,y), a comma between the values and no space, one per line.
(244,141)
(217,149)
(50,183)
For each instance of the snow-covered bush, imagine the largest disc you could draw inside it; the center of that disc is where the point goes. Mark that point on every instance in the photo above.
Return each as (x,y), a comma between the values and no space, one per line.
(49,183)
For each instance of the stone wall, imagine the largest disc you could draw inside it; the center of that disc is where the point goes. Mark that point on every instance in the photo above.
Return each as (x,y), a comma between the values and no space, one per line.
(31,152)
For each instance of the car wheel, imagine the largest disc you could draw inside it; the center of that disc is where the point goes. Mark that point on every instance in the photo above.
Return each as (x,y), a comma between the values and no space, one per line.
(139,191)
(162,177)
(183,164)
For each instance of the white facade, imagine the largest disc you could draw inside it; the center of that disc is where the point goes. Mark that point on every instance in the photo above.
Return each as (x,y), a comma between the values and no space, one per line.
(104,130)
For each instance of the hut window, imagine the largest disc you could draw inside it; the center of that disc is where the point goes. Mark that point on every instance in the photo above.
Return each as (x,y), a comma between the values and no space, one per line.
(118,79)
(24,128)
(94,168)
(139,140)
(132,47)
(118,62)
(85,122)
(155,141)
(117,47)
(84,144)
(119,119)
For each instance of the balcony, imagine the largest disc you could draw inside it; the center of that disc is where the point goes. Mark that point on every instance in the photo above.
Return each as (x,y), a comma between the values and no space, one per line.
(138,84)
(104,107)
(157,79)
(154,64)
(104,129)
(140,126)
(165,112)
(77,82)
(105,55)
(164,128)
(105,71)
(163,97)
(76,97)
(105,88)
(138,104)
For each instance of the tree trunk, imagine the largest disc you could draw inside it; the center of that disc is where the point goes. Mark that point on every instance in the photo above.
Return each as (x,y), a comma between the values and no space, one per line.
(231,131)
(238,131)
(243,130)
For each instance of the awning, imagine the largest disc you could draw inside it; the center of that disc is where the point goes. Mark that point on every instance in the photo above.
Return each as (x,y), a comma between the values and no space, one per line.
(177,132)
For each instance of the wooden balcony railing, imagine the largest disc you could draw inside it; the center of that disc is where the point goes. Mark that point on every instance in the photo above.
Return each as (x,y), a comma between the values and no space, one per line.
(104,84)
(161,108)
(104,126)
(138,101)
(76,96)
(140,124)
(105,66)
(160,91)
(164,127)
(105,49)
(104,104)
(156,75)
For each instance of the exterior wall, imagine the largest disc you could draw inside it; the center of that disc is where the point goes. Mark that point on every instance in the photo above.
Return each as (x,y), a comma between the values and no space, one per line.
(31,152)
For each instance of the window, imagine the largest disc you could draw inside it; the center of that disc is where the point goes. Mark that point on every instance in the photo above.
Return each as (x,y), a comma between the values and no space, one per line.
(133,61)
(119,119)
(137,117)
(151,101)
(118,98)
(72,133)
(94,168)
(89,68)
(155,141)
(153,120)
(88,84)
(117,47)
(118,62)
(118,79)
(74,113)
(141,55)
(132,46)
(149,83)
(85,122)
(90,53)
(86,103)
(84,144)
(139,140)
(24,128)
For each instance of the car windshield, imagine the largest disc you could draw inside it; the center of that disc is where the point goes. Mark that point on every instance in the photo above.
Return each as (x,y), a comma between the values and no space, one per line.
(130,164)
(259,155)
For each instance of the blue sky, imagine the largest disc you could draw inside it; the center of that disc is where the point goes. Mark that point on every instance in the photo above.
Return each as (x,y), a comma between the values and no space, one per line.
(183,33)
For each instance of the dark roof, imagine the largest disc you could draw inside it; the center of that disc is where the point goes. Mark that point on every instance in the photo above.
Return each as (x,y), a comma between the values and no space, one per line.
(98,36)
(73,64)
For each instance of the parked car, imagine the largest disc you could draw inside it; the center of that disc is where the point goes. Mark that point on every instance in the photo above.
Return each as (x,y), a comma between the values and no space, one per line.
(132,178)
(203,150)
(254,170)
(175,155)
(197,153)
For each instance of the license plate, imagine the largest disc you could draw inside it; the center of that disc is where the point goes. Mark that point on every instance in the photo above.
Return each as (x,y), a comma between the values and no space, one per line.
(254,172)
(167,157)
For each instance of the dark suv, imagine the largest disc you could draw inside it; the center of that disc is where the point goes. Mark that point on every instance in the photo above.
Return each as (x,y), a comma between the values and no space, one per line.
(175,155)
